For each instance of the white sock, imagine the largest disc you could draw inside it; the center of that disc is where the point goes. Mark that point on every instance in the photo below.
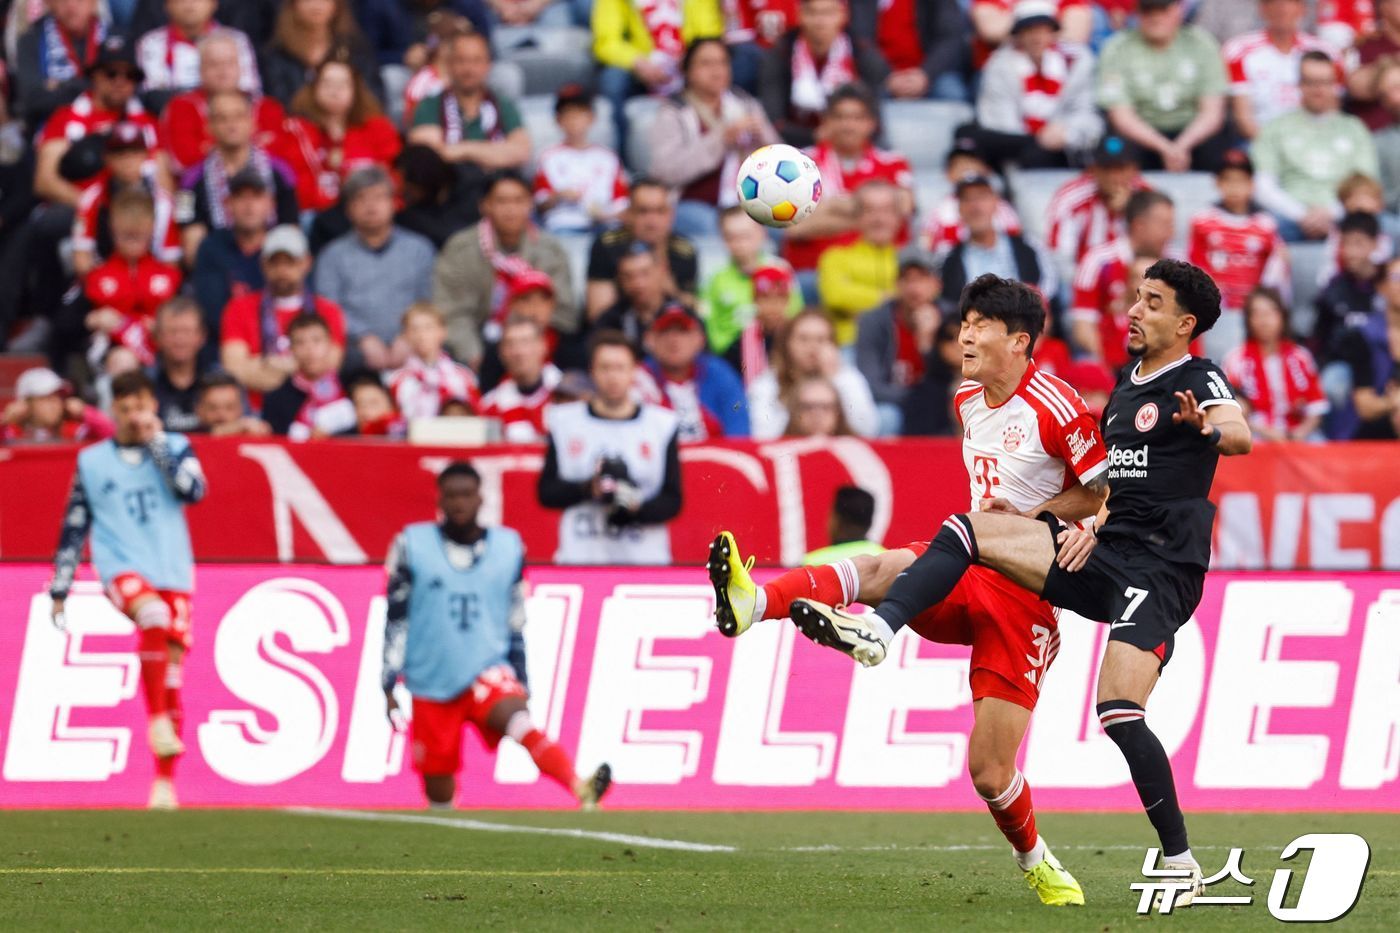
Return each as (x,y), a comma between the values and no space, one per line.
(437,805)
(1183,857)
(1028,860)
(881,627)
(760,604)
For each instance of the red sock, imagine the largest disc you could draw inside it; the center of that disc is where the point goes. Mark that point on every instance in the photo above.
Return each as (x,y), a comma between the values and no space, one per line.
(550,758)
(822,584)
(155,659)
(1014,815)
(165,767)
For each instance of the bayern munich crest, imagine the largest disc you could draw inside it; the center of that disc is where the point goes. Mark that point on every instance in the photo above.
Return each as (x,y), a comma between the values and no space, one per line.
(1146,417)
(1013,437)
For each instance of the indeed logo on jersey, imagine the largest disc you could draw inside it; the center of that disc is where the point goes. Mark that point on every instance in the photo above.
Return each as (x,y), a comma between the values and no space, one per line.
(1125,463)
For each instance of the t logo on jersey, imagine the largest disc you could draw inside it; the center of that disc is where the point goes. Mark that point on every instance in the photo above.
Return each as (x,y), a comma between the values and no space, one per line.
(1146,418)
(140,503)
(985,477)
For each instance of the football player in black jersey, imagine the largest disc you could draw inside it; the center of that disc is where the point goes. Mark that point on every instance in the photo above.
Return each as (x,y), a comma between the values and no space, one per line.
(1168,422)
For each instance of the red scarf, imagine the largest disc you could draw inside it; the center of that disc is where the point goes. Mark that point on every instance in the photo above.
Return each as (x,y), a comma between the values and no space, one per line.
(320,393)
(507,269)
(810,87)
(1281,388)
(663,21)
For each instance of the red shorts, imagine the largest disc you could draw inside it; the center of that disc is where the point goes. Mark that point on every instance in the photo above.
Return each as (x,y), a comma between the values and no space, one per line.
(127,589)
(1014,634)
(436,730)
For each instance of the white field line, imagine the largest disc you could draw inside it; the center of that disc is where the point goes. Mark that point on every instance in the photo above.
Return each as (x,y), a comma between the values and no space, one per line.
(648,842)
(964,848)
(250,870)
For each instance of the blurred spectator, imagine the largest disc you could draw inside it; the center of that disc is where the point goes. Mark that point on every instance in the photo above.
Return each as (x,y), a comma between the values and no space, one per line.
(336,128)
(727,298)
(1350,296)
(1372,53)
(1223,19)
(809,63)
(429,378)
(924,43)
(1090,379)
(531,296)
(750,29)
(892,341)
(403,34)
(469,125)
(254,342)
(311,403)
(184,123)
(431,206)
(1276,377)
(1163,85)
(644,293)
(116,361)
(814,410)
(1340,23)
(178,336)
(613,466)
(429,59)
(639,47)
(126,167)
(55,58)
(928,408)
(700,137)
(170,56)
(848,159)
(519,400)
(649,219)
(306,33)
(776,299)
(203,203)
(1303,155)
(1370,354)
(806,348)
(222,411)
(1036,103)
(987,249)
(579,186)
(1099,315)
(1238,244)
(1387,140)
(475,269)
(254,18)
(44,412)
(1051,354)
(856,277)
(1359,194)
(943,227)
(375,414)
(1263,65)
(124,293)
(1087,211)
(994,20)
(847,527)
(376,270)
(703,390)
(229,261)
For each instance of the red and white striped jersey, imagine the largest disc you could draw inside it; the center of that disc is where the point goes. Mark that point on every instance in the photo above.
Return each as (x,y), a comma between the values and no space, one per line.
(1341,22)
(1259,70)
(1033,446)
(94,197)
(1079,218)
(421,389)
(944,229)
(521,415)
(1240,252)
(1281,388)
(595,172)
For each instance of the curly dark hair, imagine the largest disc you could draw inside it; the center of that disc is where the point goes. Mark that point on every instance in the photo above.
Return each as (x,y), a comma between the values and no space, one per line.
(1196,292)
(1015,304)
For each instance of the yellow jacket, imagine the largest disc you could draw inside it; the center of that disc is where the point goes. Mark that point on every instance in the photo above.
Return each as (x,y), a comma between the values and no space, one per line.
(620,37)
(852,280)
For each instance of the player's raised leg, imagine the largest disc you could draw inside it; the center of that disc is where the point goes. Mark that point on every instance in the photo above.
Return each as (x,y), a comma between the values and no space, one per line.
(511,717)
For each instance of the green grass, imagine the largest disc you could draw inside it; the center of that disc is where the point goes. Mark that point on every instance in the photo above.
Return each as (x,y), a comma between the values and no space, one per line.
(117,870)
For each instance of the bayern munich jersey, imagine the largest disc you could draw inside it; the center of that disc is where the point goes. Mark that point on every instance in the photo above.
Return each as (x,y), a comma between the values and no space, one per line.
(1033,446)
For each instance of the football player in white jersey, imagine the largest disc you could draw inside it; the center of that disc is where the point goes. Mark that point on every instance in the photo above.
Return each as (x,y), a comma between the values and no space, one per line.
(1030,446)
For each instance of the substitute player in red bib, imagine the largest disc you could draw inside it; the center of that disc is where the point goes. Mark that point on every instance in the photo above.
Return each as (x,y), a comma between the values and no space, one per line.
(1030,445)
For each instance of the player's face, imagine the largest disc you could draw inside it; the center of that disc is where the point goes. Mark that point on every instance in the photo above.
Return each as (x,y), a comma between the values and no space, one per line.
(135,417)
(1155,321)
(459,499)
(988,349)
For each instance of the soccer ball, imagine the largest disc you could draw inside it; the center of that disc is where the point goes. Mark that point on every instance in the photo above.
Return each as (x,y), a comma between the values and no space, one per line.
(779,186)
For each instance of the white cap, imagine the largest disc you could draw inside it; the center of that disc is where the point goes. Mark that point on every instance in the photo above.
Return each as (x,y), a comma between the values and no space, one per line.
(288,239)
(38,382)
(1030,12)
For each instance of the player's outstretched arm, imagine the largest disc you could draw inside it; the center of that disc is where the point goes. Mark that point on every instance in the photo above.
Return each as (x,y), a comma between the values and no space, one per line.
(1078,502)
(1223,424)
(397,592)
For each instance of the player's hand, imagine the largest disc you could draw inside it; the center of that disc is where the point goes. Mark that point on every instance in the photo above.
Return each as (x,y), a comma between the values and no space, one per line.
(1076,544)
(1192,415)
(56,613)
(997,505)
(393,711)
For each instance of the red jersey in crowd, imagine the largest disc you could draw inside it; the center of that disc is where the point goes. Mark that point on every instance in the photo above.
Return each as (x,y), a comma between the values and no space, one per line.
(944,228)
(839,178)
(420,389)
(84,117)
(897,34)
(1240,252)
(321,165)
(1080,218)
(1099,284)
(135,290)
(595,172)
(92,203)
(1281,388)
(184,127)
(243,320)
(1342,22)
(760,21)
(522,413)
(981,51)
(1269,77)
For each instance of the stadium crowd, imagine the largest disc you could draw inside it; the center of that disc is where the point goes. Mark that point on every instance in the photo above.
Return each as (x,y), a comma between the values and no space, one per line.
(319,218)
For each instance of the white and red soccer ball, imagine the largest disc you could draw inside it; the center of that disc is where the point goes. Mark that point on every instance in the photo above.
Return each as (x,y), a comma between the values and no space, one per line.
(779,186)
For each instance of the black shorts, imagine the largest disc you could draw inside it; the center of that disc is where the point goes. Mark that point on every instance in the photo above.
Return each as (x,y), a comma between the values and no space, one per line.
(1143,598)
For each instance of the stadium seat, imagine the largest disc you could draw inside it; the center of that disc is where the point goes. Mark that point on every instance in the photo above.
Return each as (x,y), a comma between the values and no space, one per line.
(710,255)
(1031,193)
(507,80)
(1307,261)
(640,113)
(1191,192)
(922,130)
(537,110)
(930,187)
(556,57)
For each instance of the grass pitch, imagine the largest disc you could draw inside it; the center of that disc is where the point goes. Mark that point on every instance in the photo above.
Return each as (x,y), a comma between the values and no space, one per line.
(118,870)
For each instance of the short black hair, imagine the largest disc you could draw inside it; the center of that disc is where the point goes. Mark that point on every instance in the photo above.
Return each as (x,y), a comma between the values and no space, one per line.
(217,381)
(1141,202)
(856,91)
(698,44)
(132,383)
(498,178)
(305,321)
(1015,304)
(646,181)
(609,337)
(1360,222)
(1196,292)
(458,468)
(1318,56)
(364,377)
(855,508)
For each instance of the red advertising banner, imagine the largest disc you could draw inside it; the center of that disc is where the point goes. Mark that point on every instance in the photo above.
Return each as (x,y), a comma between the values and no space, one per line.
(1284,694)
(1284,507)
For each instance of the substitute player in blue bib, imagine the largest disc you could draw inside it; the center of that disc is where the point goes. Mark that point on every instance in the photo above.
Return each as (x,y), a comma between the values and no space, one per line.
(130,494)
(453,632)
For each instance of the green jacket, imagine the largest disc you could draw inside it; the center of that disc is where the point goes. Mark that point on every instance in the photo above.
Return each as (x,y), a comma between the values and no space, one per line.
(726,304)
